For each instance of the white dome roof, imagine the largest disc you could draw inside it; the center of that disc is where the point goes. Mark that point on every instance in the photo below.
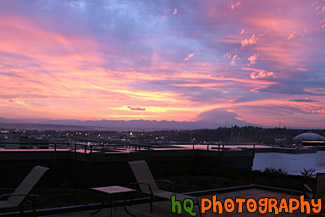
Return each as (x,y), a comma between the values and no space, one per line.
(309,137)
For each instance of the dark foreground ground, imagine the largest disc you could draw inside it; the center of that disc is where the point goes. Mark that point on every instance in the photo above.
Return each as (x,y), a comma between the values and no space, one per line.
(66,194)
(163,208)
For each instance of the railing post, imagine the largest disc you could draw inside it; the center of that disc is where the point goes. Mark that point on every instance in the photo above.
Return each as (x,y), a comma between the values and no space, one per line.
(193,151)
(85,153)
(148,154)
(90,153)
(75,151)
(55,152)
(208,150)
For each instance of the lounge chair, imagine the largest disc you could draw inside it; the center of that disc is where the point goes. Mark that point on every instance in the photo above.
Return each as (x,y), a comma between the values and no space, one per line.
(15,199)
(319,191)
(148,185)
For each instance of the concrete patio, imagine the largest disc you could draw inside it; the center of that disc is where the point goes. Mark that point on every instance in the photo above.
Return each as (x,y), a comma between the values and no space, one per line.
(163,208)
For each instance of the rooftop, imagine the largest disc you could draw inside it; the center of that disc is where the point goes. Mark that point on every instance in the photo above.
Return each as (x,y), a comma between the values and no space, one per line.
(308,137)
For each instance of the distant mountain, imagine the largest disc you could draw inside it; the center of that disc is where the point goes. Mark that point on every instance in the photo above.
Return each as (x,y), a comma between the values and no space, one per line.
(72,124)
(42,126)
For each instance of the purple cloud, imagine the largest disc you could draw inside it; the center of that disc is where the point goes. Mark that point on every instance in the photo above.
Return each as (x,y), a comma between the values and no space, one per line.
(304,100)
(136,108)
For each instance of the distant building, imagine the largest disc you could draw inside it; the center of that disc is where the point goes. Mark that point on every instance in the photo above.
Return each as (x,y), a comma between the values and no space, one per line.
(309,139)
(280,141)
(10,139)
(4,134)
(33,143)
(13,140)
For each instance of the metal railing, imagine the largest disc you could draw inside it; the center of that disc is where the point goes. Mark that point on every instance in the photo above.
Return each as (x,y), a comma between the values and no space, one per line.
(88,148)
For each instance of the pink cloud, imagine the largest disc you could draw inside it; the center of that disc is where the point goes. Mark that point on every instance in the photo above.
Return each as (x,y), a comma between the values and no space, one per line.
(175,11)
(234,5)
(228,55)
(292,35)
(319,6)
(189,56)
(261,74)
(234,58)
(252,59)
(249,41)
(323,25)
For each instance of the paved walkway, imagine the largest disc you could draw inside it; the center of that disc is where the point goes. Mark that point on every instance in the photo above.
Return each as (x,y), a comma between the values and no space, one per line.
(163,208)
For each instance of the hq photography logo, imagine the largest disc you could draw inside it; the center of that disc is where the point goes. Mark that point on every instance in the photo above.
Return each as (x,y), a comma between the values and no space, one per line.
(237,205)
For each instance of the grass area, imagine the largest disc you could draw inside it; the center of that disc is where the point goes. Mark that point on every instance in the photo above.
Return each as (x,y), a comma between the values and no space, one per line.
(66,194)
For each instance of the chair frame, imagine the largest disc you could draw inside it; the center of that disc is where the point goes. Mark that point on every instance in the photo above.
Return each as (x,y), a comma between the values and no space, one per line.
(152,193)
(311,194)
(39,172)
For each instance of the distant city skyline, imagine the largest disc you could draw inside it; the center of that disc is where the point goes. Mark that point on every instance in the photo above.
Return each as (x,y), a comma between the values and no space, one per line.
(227,62)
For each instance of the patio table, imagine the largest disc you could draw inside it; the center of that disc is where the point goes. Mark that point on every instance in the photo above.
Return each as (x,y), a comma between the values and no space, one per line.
(112,191)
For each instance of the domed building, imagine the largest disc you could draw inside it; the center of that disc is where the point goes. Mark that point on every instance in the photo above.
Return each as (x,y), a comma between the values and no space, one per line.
(309,139)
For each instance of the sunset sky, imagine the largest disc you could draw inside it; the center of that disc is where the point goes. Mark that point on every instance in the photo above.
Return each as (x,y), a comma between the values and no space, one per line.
(258,61)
